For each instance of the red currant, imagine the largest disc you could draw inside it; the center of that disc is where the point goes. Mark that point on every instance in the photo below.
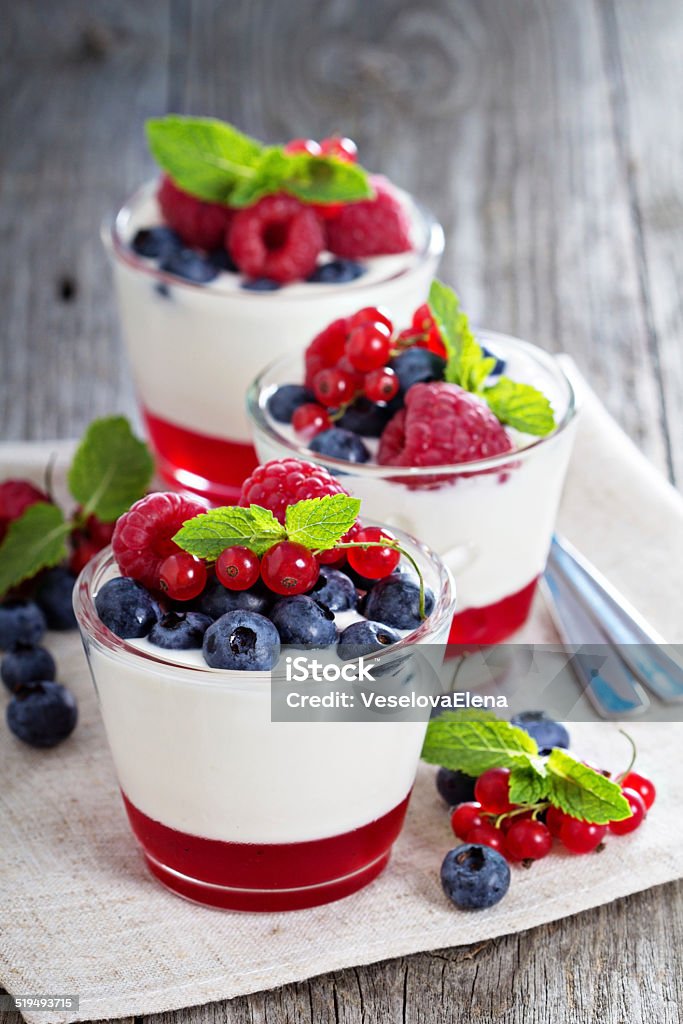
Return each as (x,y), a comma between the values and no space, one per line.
(238,568)
(289,568)
(381,385)
(182,576)
(377,562)
(309,419)
(641,785)
(638,812)
(368,346)
(309,146)
(487,835)
(465,817)
(528,840)
(580,836)
(341,147)
(371,315)
(83,550)
(333,387)
(512,819)
(554,819)
(492,790)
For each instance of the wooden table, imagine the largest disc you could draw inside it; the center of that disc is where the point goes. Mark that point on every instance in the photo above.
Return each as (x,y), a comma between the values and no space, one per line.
(548,137)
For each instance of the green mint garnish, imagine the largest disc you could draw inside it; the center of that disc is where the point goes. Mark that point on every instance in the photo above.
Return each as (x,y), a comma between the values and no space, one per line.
(111,469)
(516,405)
(474,742)
(214,161)
(34,541)
(318,523)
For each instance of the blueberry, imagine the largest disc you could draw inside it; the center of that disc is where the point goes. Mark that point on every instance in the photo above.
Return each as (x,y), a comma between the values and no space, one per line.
(416,366)
(335,590)
(55,597)
(363,638)
(474,876)
(42,713)
(301,621)
(282,403)
(365,418)
(243,641)
(216,600)
(222,259)
(340,444)
(156,243)
(190,265)
(21,622)
(337,271)
(261,284)
(547,732)
(365,583)
(26,664)
(500,363)
(126,608)
(179,631)
(396,602)
(455,787)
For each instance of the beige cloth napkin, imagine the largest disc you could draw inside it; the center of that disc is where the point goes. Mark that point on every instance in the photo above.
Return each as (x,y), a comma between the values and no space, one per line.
(80,915)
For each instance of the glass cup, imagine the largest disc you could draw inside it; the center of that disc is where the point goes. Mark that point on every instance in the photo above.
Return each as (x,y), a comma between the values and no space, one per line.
(491,520)
(232,808)
(195,348)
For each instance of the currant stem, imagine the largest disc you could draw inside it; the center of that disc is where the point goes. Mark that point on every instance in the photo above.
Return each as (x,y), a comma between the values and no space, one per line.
(536,809)
(397,547)
(634,755)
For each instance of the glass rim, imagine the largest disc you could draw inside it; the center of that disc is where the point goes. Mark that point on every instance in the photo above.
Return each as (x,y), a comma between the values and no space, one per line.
(111,233)
(92,627)
(260,423)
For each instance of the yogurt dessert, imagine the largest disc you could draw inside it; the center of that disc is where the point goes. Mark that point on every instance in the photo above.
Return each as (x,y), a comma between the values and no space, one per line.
(230,807)
(238,253)
(462,440)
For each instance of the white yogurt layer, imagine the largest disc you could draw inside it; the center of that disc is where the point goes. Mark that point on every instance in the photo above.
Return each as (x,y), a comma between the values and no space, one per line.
(196,750)
(492,529)
(194,349)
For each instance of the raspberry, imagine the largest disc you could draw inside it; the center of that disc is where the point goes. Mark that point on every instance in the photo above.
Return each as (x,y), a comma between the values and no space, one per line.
(198,223)
(278,237)
(143,535)
(372,227)
(326,349)
(283,482)
(15,497)
(441,425)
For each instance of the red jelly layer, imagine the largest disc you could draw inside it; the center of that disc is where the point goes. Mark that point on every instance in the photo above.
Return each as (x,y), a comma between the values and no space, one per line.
(266,876)
(495,622)
(213,467)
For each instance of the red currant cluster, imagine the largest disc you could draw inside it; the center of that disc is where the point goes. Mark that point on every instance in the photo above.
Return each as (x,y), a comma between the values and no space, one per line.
(87,539)
(526,833)
(287,568)
(423,332)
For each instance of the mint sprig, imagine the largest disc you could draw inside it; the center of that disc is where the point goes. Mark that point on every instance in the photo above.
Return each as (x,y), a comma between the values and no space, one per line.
(318,523)
(34,541)
(473,745)
(214,161)
(516,405)
(110,470)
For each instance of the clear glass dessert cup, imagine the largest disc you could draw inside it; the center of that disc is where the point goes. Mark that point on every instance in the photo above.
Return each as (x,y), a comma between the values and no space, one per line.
(195,348)
(491,521)
(235,810)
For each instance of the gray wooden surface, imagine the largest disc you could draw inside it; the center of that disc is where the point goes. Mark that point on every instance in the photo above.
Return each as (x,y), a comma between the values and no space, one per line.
(548,137)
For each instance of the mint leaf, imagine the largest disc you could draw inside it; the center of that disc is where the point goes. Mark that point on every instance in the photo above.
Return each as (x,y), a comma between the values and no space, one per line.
(582,792)
(520,406)
(203,156)
(470,746)
(111,469)
(215,162)
(528,785)
(208,534)
(318,523)
(34,541)
(466,364)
